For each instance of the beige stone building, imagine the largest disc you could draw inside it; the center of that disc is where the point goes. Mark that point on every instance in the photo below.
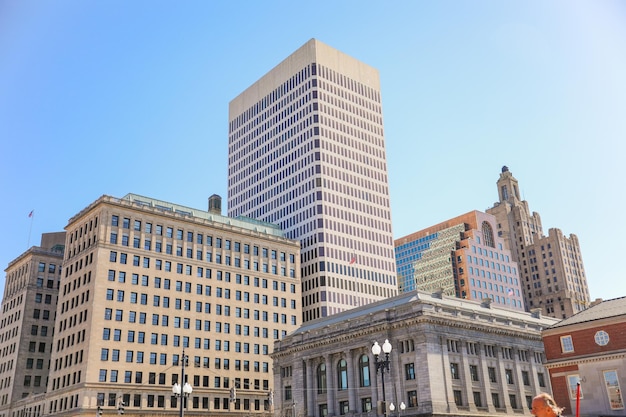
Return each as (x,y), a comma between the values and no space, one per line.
(306,150)
(146,282)
(449,357)
(551,267)
(27,323)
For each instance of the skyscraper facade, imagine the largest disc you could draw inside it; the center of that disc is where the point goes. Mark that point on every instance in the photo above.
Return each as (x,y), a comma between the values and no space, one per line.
(307,151)
(551,267)
(461,257)
(27,321)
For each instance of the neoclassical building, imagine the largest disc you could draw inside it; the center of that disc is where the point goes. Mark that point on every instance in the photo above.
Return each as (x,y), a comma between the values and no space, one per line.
(450,357)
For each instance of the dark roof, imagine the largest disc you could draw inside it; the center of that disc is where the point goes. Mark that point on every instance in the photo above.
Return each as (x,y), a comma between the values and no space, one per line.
(605,309)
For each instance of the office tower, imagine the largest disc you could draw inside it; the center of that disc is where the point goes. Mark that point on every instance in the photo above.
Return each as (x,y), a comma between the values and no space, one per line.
(460,257)
(307,151)
(27,322)
(551,267)
(146,283)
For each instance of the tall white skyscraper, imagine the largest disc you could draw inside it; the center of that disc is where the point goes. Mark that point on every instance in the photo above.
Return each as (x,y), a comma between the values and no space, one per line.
(307,151)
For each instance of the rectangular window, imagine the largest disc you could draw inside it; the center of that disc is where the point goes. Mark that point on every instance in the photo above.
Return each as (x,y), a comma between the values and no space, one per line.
(474,373)
(343,408)
(454,371)
(567,345)
(509,376)
(613,390)
(495,399)
(541,380)
(409,371)
(477,399)
(525,378)
(458,397)
(572,384)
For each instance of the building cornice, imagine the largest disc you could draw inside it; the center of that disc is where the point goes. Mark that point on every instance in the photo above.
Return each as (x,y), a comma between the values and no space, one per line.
(585,360)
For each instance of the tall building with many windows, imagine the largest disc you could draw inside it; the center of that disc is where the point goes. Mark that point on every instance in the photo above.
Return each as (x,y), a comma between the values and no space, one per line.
(27,322)
(307,151)
(462,257)
(551,267)
(146,283)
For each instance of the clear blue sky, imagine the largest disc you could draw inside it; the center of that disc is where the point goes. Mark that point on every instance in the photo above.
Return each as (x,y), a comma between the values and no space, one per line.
(110,97)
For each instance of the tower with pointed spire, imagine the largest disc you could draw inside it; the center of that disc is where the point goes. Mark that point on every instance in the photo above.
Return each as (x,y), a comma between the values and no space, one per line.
(551,269)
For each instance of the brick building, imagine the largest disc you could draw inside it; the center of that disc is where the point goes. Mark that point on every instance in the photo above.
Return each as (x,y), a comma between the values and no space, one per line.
(590,348)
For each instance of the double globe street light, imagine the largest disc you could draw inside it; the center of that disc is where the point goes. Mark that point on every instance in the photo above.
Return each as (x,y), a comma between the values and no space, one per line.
(393,407)
(183,391)
(382,364)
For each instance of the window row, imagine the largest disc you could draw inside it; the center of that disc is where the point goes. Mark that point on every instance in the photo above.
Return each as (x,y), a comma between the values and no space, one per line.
(166,266)
(166,283)
(189,236)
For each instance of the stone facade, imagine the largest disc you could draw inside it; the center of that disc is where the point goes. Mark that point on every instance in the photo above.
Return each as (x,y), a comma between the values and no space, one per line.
(27,323)
(551,267)
(450,357)
(147,282)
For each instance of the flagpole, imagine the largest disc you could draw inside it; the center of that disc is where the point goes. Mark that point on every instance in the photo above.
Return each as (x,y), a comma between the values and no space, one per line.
(30,229)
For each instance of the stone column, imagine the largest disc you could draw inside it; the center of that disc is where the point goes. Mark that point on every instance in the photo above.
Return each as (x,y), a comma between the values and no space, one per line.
(445,360)
(331,374)
(517,372)
(311,388)
(485,383)
(466,377)
(353,380)
(506,403)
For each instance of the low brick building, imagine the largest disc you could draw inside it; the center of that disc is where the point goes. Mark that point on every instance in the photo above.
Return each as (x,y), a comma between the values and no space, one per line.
(590,348)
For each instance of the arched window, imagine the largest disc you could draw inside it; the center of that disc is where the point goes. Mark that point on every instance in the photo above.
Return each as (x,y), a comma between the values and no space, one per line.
(342,375)
(321,379)
(488,235)
(364,371)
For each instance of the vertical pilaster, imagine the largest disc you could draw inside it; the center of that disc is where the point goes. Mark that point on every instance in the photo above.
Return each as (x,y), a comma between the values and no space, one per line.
(331,374)
(466,378)
(445,359)
(353,380)
(311,388)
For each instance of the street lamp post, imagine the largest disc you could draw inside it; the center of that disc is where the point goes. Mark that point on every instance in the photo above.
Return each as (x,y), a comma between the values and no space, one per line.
(184,389)
(382,364)
(393,407)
